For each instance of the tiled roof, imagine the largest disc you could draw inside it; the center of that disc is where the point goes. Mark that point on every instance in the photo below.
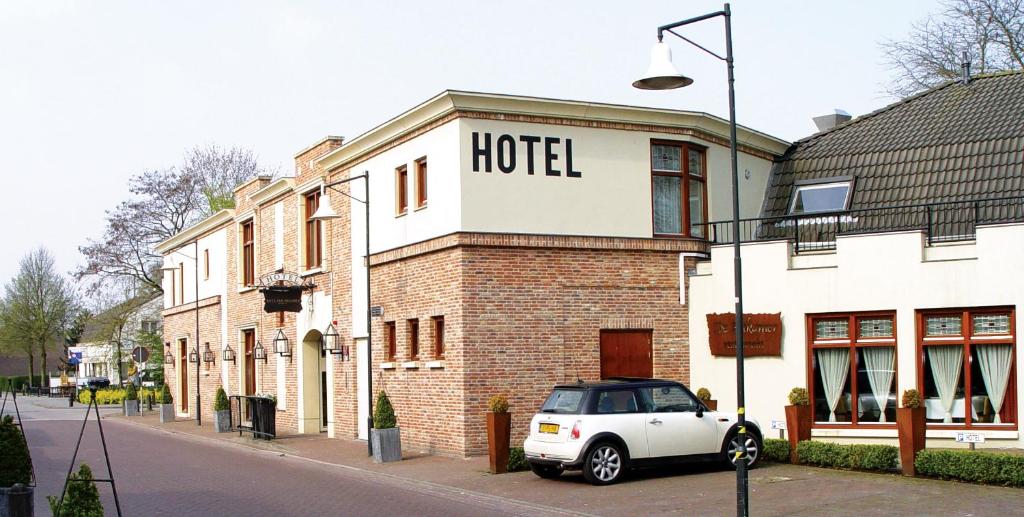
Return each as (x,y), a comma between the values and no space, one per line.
(953,142)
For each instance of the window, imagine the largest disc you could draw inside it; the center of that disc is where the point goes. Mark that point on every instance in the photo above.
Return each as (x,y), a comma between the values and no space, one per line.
(391,339)
(668,399)
(173,289)
(822,197)
(563,401)
(313,231)
(853,368)
(248,255)
(401,192)
(150,326)
(414,338)
(206,264)
(438,322)
(421,183)
(617,401)
(181,282)
(966,366)
(678,189)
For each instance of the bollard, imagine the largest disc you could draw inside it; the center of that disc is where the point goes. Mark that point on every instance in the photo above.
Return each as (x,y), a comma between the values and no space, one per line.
(19,501)
(71,399)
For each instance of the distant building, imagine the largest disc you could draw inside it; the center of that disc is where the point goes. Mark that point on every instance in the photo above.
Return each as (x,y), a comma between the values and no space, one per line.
(121,326)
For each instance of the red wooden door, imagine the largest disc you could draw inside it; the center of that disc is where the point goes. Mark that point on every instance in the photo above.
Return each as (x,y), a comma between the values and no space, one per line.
(250,362)
(626,353)
(183,375)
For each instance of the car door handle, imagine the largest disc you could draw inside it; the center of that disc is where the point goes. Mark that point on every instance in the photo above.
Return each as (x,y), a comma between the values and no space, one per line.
(655,422)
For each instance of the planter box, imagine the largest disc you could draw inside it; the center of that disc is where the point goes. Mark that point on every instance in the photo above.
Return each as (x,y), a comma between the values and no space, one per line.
(499,427)
(387,445)
(798,428)
(910,424)
(222,420)
(17,501)
(264,417)
(711,404)
(166,413)
(131,408)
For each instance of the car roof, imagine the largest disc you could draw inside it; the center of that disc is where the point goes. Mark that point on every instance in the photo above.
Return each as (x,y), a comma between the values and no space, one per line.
(617,382)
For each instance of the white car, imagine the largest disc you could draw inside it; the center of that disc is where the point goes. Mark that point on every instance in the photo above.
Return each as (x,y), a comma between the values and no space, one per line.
(609,427)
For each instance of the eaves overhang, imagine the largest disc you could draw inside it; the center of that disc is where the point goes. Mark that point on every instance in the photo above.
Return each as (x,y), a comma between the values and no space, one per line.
(196,231)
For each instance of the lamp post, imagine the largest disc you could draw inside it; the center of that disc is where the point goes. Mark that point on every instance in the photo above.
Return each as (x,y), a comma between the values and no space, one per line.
(662,75)
(325,212)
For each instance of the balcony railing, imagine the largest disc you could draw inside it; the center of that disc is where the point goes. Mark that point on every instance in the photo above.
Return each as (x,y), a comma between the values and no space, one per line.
(941,222)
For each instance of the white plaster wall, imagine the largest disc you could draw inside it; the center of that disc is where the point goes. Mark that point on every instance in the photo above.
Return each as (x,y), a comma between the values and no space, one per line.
(215,284)
(876,272)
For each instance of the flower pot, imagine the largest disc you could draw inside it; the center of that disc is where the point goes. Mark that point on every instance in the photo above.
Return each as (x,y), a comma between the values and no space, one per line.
(910,424)
(166,413)
(222,420)
(131,408)
(499,427)
(16,501)
(387,445)
(711,404)
(798,428)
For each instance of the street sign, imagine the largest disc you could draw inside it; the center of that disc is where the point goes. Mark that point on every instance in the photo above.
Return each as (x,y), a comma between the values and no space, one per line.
(140,354)
(969,437)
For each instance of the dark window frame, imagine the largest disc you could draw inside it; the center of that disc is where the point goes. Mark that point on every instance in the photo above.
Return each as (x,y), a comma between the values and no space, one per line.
(248,253)
(685,176)
(421,183)
(312,232)
(437,324)
(401,190)
(390,340)
(412,327)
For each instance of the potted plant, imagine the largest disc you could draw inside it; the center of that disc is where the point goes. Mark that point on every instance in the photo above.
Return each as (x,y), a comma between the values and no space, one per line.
(704,395)
(15,470)
(798,420)
(499,428)
(166,405)
(385,437)
(221,411)
(910,425)
(131,400)
(81,498)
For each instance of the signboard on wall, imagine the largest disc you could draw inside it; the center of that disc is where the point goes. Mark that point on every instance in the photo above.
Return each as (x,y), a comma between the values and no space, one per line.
(282,291)
(762,334)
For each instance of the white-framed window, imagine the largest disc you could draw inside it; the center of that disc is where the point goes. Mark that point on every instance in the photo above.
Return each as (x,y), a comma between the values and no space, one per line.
(820,197)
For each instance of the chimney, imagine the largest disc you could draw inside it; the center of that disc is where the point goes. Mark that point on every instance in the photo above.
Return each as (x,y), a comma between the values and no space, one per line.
(965,69)
(826,122)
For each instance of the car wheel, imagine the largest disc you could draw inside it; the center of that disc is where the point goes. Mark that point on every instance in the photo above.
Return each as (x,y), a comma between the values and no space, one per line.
(605,464)
(546,471)
(753,449)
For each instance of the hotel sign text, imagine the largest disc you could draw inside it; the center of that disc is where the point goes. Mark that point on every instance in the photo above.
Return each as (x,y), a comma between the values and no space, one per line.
(762,334)
(548,155)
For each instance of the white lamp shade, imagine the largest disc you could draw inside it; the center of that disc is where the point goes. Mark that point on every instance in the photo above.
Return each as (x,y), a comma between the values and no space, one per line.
(662,74)
(324,211)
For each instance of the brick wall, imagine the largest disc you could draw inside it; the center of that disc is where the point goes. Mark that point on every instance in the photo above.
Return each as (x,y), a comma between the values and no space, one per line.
(180,322)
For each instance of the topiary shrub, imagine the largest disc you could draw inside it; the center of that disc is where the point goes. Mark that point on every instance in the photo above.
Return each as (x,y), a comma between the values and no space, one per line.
(911,399)
(498,404)
(776,450)
(130,393)
(799,397)
(517,460)
(82,499)
(220,401)
(165,395)
(384,413)
(704,394)
(15,460)
(974,466)
(880,458)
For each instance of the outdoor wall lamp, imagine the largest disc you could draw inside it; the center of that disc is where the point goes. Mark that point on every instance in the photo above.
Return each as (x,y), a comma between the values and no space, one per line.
(332,342)
(229,354)
(208,356)
(282,346)
(259,353)
(193,356)
(662,75)
(168,357)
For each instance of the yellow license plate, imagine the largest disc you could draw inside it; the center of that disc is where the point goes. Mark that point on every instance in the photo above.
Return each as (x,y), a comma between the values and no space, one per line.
(549,428)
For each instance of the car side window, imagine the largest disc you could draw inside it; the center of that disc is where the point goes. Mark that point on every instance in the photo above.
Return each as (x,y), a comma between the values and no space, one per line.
(616,401)
(669,399)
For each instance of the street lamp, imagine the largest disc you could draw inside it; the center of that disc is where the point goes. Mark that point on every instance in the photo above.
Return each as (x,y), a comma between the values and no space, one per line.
(326,212)
(662,75)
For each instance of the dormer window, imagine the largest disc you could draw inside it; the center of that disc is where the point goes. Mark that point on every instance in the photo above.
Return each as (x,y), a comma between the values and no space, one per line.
(820,197)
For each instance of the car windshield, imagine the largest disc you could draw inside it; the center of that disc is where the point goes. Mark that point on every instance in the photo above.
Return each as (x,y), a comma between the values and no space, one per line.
(563,401)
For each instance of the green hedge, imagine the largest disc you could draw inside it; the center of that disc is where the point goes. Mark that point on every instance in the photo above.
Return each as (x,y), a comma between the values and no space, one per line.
(974,466)
(776,450)
(517,460)
(17,381)
(856,456)
(116,395)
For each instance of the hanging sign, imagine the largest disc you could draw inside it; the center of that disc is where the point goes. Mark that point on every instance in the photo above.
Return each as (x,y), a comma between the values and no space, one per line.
(282,291)
(762,334)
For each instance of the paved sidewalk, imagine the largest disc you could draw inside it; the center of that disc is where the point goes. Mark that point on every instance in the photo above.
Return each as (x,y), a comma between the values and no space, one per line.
(689,490)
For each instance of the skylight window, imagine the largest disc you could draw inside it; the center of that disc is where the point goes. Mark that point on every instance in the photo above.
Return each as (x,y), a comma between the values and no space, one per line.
(821,197)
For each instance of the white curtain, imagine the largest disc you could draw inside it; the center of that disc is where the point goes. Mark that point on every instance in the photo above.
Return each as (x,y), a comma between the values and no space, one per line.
(879,361)
(834,364)
(946,363)
(994,361)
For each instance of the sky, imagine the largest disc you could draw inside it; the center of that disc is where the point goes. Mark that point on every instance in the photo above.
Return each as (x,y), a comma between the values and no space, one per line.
(93,92)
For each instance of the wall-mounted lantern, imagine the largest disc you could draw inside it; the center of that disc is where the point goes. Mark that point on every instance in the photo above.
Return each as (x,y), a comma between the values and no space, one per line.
(193,356)
(282,346)
(229,354)
(208,356)
(259,353)
(332,341)
(168,357)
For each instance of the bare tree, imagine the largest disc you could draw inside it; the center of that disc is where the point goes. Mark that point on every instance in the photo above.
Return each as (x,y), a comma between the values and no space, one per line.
(36,305)
(991,32)
(219,171)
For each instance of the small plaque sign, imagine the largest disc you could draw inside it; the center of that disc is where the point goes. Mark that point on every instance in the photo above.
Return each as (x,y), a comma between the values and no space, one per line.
(376,311)
(762,334)
(778,424)
(969,437)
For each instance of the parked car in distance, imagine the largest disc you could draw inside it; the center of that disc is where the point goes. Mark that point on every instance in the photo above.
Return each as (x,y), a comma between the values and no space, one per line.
(92,382)
(606,428)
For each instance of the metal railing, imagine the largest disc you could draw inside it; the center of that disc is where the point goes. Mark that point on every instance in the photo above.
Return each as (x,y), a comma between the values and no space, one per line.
(941,222)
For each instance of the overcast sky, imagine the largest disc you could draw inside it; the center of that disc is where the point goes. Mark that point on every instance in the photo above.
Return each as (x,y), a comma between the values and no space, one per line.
(94,92)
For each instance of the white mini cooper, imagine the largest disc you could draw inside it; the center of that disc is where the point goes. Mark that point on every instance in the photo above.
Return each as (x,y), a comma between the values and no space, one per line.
(609,427)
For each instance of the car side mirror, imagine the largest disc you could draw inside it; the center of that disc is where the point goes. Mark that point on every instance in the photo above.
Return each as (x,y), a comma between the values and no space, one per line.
(700,411)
